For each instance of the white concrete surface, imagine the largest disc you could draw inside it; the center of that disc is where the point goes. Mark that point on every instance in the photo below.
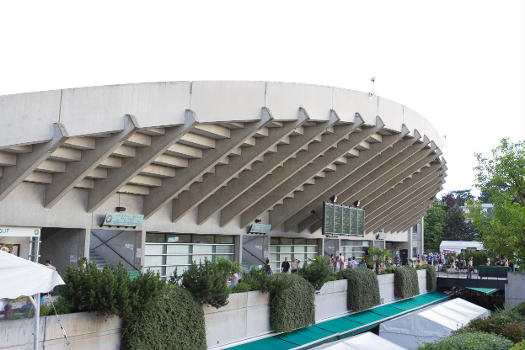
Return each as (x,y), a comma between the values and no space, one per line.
(514,289)
(86,331)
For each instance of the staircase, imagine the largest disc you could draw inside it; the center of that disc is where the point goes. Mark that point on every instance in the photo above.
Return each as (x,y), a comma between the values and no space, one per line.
(97,259)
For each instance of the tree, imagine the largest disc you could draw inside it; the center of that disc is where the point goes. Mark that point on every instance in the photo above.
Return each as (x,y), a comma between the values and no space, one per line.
(434,223)
(502,174)
(456,229)
(449,200)
(462,196)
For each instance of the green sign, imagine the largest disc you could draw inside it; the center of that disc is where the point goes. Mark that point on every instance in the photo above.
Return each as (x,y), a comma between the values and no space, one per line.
(343,220)
(260,228)
(122,219)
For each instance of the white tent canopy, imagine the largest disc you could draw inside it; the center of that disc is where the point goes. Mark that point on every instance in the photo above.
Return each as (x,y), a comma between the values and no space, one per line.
(21,277)
(363,341)
(431,324)
(457,246)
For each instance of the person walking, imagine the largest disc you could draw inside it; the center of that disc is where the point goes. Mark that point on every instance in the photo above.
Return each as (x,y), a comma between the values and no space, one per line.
(295,265)
(470,267)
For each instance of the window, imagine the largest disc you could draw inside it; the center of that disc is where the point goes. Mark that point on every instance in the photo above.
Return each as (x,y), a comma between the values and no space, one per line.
(357,249)
(414,252)
(165,252)
(414,228)
(298,248)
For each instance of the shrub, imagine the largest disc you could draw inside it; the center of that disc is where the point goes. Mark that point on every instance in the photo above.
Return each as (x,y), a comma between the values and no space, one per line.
(316,271)
(406,283)
(363,288)
(174,320)
(514,332)
(470,341)
(207,283)
(519,346)
(241,288)
(62,306)
(431,278)
(291,302)
(255,279)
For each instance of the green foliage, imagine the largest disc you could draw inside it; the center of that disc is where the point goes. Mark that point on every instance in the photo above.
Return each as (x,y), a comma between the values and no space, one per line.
(255,278)
(501,175)
(175,320)
(207,282)
(479,256)
(434,222)
(375,256)
(363,288)
(62,306)
(291,302)
(241,287)
(470,341)
(406,283)
(316,271)
(519,346)
(456,229)
(431,278)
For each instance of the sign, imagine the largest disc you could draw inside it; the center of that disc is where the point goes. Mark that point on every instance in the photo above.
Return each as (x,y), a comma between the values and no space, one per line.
(343,220)
(122,219)
(260,228)
(381,235)
(12,231)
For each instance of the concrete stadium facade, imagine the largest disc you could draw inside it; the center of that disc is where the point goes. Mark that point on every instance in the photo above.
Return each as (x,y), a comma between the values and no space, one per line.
(202,161)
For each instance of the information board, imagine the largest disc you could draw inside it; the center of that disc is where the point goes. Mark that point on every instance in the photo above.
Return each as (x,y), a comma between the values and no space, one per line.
(343,220)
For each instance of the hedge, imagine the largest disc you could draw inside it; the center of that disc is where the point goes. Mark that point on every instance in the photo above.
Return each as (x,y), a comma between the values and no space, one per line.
(431,278)
(291,302)
(175,321)
(406,283)
(363,288)
(470,341)
(519,346)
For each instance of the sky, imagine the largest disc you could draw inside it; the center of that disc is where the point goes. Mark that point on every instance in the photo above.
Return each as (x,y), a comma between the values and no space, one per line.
(459,63)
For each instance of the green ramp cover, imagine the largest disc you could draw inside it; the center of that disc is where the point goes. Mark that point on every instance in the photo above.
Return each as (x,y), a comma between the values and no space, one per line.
(265,344)
(483,290)
(339,325)
(305,335)
(387,310)
(365,317)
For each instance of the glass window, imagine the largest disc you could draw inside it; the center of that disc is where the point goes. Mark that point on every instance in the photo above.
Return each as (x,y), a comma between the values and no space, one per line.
(227,257)
(414,228)
(202,238)
(177,259)
(274,241)
(220,249)
(286,241)
(202,249)
(224,239)
(152,249)
(201,258)
(155,237)
(178,249)
(311,242)
(153,260)
(299,241)
(175,238)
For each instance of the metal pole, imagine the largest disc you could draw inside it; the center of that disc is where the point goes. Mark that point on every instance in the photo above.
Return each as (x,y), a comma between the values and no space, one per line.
(35,300)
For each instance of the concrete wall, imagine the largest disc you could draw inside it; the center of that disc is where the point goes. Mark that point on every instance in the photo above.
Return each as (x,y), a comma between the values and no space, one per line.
(54,239)
(248,314)
(515,289)
(86,331)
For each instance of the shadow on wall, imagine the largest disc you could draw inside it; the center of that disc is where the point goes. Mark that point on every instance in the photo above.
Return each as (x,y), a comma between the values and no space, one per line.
(63,246)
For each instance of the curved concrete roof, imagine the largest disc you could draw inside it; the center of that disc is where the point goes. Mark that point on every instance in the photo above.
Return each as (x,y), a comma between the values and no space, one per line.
(241,149)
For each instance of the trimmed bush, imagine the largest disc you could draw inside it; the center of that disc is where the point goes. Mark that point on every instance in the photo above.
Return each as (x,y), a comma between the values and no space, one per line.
(406,283)
(431,278)
(291,302)
(316,271)
(470,341)
(363,288)
(519,346)
(207,283)
(175,320)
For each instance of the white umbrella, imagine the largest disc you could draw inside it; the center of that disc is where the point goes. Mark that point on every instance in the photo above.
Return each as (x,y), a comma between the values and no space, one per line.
(21,277)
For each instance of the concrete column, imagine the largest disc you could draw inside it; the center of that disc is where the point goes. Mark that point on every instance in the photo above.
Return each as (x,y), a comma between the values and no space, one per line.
(87,242)
(238,248)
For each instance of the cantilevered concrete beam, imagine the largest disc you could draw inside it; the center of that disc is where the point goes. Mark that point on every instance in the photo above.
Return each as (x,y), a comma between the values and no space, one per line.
(131,167)
(247,179)
(418,162)
(413,218)
(199,192)
(319,164)
(414,211)
(333,183)
(172,187)
(289,169)
(382,214)
(364,176)
(407,186)
(91,158)
(378,222)
(26,163)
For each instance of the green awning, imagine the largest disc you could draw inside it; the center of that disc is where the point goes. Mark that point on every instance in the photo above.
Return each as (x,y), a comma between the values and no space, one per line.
(343,326)
(484,290)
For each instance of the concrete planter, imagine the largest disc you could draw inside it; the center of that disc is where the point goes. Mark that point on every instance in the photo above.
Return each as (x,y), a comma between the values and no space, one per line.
(85,330)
